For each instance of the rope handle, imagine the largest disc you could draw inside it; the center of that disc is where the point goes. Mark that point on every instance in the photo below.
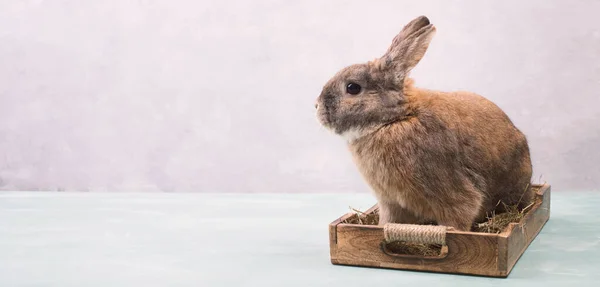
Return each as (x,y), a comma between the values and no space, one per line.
(423,234)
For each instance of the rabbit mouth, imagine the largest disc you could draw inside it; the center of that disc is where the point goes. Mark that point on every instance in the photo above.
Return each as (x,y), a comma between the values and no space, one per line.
(322,116)
(323,120)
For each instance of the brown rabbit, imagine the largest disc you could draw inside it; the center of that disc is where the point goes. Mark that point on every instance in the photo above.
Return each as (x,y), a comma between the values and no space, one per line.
(429,156)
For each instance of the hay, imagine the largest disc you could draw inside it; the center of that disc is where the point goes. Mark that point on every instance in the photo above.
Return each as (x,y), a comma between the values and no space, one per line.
(498,222)
(408,248)
(362,218)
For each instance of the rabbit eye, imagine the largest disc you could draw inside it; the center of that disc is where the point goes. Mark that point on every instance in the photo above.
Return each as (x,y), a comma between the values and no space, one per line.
(353,88)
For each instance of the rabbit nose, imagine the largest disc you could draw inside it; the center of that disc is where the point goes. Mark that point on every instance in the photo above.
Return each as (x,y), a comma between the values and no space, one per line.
(316,105)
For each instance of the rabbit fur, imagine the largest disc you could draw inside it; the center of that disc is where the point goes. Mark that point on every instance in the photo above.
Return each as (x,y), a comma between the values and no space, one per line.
(451,158)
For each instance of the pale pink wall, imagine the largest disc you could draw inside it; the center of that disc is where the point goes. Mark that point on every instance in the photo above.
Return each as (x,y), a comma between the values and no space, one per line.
(217,96)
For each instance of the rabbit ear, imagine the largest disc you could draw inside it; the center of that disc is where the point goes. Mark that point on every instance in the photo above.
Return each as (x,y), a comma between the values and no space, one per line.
(409,46)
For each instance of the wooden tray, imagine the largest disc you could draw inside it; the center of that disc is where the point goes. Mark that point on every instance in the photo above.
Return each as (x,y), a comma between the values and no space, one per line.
(472,253)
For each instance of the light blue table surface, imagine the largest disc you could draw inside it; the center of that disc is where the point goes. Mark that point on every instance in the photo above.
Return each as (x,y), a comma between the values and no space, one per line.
(165,239)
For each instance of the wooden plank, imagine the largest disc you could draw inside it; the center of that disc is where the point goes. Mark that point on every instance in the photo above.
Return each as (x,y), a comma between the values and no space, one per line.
(524,232)
(503,255)
(468,253)
(333,230)
(333,225)
(372,209)
(513,240)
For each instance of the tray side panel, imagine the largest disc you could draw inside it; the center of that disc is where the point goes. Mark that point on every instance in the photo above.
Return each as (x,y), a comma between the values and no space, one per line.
(468,253)
(525,232)
(333,232)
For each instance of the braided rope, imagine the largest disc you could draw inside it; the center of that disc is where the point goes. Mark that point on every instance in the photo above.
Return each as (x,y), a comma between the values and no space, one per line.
(423,234)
